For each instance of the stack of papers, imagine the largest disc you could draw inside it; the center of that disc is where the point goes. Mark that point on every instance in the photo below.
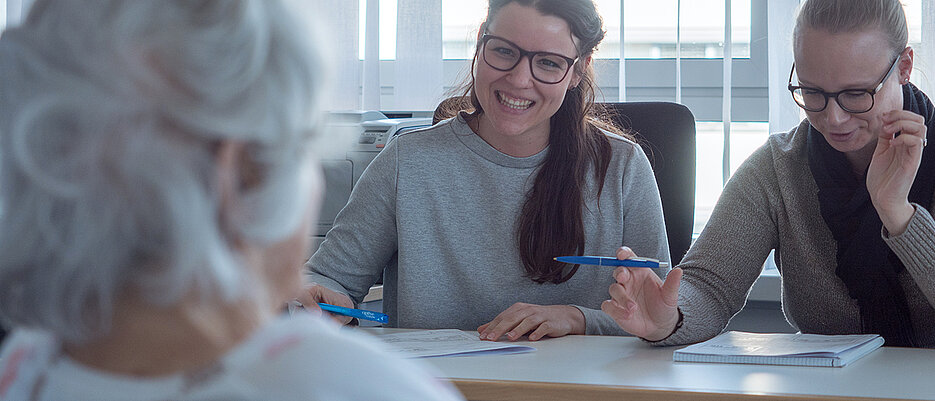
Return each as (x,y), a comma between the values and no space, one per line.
(449,342)
(781,349)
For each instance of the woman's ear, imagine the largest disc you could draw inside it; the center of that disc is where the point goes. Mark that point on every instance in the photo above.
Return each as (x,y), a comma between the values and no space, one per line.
(481,30)
(905,65)
(576,77)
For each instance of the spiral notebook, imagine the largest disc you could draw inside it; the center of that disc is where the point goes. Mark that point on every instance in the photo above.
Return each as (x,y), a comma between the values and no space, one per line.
(781,349)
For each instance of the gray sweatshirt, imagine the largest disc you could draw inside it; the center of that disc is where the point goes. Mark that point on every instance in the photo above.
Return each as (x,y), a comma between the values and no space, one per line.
(439,207)
(771,203)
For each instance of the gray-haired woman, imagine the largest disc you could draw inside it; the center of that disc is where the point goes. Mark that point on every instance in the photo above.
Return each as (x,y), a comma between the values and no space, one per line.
(845,199)
(157,186)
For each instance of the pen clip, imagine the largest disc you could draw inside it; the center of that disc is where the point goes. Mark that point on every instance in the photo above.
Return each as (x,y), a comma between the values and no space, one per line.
(642,259)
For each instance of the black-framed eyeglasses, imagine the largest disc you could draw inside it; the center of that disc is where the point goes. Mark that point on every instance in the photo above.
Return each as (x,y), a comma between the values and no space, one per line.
(503,55)
(850,100)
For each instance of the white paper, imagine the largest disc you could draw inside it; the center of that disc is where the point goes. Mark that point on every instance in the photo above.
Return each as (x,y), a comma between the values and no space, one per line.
(448,342)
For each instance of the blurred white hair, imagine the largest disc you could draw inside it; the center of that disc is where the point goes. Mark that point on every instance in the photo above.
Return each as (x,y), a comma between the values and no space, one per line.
(110,115)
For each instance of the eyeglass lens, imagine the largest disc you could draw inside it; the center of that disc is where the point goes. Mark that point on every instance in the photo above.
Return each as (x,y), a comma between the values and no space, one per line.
(546,67)
(855,101)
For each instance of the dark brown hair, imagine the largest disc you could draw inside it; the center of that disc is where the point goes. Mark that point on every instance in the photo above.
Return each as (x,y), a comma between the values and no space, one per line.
(551,222)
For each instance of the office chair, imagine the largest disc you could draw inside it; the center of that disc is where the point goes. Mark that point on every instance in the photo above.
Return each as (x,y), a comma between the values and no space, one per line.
(666,131)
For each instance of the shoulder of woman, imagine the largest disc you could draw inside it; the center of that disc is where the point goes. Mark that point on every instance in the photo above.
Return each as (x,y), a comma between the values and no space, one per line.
(440,133)
(782,157)
(620,143)
(787,145)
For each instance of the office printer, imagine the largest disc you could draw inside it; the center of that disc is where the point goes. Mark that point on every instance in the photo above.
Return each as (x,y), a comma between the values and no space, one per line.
(369,132)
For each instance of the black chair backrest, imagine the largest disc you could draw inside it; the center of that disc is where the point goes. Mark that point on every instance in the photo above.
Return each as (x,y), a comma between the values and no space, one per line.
(666,131)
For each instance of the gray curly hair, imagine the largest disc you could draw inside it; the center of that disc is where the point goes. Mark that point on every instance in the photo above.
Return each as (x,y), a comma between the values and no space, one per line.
(110,115)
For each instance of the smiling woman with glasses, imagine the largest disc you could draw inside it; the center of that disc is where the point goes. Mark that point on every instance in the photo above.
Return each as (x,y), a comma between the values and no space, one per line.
(467,216)
(845,199)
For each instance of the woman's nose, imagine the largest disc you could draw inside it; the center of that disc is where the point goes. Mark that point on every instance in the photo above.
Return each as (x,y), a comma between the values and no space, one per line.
(835,114)
(521,75)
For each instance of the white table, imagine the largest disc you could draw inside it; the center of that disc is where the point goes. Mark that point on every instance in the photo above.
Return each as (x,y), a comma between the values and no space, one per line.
(599,367)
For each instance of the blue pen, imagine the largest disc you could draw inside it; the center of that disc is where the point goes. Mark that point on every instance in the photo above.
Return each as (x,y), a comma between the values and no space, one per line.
(340,310)
(358,313)
(612,262)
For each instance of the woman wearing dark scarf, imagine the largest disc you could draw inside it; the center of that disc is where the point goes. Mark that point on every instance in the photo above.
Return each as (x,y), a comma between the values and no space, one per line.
(845,199)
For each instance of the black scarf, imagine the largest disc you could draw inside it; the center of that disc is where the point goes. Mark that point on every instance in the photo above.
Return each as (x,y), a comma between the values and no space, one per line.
(866,264)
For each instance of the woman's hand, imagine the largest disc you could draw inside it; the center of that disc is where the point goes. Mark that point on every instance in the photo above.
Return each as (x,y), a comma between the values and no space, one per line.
(641,303)
(542,321)
(894,166)
(313,294)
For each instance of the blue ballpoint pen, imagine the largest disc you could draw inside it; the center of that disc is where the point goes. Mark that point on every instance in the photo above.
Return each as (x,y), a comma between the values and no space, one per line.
(358,313)
(340,310)
(612,262)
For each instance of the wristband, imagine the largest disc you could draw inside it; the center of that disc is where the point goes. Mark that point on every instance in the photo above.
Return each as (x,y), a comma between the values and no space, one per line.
(678,325)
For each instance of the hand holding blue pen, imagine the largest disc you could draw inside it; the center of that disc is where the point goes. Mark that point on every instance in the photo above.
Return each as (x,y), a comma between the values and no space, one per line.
(340,310)
(358,313)
(642,303)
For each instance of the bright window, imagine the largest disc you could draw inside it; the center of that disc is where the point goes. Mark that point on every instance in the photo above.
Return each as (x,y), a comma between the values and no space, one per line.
(460,21)
(387,29)
(650,33)
(2,14)
(745,137)
(913,10)
(651,27)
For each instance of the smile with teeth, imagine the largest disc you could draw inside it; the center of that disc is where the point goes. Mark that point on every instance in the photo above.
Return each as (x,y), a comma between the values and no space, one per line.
(514,103)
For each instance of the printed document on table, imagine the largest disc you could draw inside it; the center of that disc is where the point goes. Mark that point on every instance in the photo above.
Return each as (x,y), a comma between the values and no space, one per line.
(448,342)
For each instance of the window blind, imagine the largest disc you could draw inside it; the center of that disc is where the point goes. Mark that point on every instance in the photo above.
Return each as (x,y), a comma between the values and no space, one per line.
(783,112)
(621,64)
(926,55)
(418,55)
(341,19)
(371,67)
(726,93)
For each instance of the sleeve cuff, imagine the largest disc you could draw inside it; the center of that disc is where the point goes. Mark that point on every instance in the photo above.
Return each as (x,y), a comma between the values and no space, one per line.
(915,246)
(598,323)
